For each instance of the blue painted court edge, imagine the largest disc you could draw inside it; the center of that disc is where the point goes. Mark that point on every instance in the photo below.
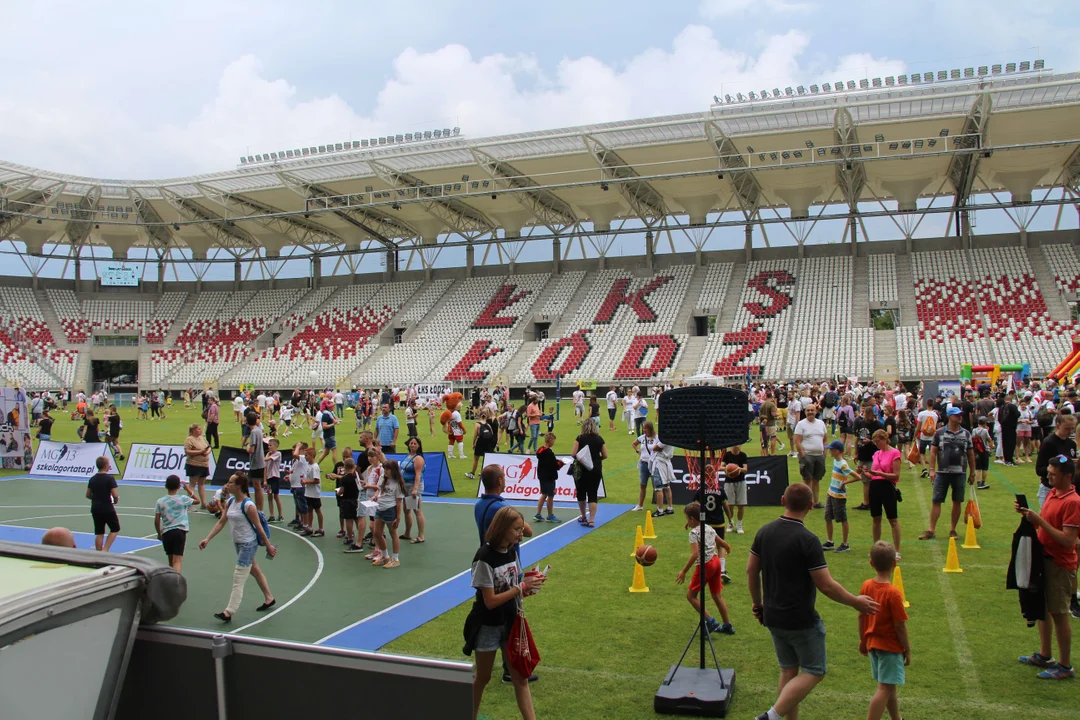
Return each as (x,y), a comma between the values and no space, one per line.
(383,627)
(32,536)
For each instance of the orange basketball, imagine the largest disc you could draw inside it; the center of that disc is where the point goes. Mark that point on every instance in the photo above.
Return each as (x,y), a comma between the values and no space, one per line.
(646,555)
(731,470)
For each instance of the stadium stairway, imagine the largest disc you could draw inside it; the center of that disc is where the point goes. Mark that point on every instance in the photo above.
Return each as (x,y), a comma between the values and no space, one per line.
(860,294)
(905,285)
(52,320)
(82,372)
(789,331)
(690,356)
(886,361)
(418,329)
(560,327)
(181,320)
(1055,305)
(527,350)
(145,375)
(979,306)
(684,321)
(731,299)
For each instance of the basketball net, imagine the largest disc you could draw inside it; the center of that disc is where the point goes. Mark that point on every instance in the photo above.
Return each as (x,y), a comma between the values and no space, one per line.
(713,469)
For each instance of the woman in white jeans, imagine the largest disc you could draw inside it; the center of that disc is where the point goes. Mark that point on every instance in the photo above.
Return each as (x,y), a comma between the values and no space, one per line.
(247,533)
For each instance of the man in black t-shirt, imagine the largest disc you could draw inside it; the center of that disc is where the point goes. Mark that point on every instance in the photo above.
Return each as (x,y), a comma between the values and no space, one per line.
(45,426)
(103,496)
(735,487)
(865,427)
(786,558)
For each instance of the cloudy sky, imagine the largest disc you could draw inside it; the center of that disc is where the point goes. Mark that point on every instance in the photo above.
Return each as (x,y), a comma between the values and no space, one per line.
(140,90)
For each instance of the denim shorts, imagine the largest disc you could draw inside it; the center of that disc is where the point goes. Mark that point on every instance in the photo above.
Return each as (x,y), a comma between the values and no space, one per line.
(330,443)
(387,516)
(643,473)
(245,553)
(943,482)
(300,500)
(887,667)
(488,639)
(804,649)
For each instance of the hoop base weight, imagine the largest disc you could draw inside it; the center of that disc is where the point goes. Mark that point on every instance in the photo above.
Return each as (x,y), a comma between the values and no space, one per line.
(695,691)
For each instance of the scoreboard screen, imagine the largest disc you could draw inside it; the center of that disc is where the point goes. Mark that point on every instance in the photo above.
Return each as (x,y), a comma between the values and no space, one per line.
(119,276)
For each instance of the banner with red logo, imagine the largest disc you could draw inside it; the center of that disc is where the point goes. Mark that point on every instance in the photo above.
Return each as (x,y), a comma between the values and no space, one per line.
(521,482)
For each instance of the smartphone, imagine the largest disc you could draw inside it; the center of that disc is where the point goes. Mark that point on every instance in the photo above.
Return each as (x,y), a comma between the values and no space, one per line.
(1021,500)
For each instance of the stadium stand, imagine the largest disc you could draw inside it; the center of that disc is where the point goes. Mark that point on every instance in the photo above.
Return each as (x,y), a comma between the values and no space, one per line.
(425,301)
(882,280)
(28,353)
(1062,261)
(757,341)
(164,316)
(562,292)
(715,287)
(305,307)
(76,328)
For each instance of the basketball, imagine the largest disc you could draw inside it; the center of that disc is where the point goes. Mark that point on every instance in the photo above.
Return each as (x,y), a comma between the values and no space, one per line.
(646,555)
(731,470)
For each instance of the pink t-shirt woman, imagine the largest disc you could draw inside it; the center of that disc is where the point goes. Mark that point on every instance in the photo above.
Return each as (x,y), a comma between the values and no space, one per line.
(886,463)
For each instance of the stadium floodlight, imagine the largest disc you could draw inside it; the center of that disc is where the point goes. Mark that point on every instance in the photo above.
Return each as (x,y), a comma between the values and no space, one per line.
(810,144)
(1040,64)
(825,87)
(251,159)
(764,94)
(395,205)
(716,99)
(729,98)
(786,155)
(906,144)
(801,90)
(772,156)
(864,84)
(954,74)
(901,80)
(603,186)
(464,178)
(969,72)
(928,77)
(437,133)
(916,78)
(776,92)
(719,176)
(942,75)
(399,138)
(982,70)
(797,153)
(868,148)
(427,134)
(876,82)
(890,81)
(814,89)
(176,227)
(457,131)
(258,158)
(918,143)
(821,152)
(408,137)
(749,149)
(879,138)
(363,143)
(944,132)
(753,97)
(740,96)
(446,132)
(788,91)
(1025,66)
(851,84)
(893,146)
(243,160)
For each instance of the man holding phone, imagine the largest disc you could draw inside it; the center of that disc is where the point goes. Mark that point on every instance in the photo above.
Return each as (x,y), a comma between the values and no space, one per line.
(1057,527)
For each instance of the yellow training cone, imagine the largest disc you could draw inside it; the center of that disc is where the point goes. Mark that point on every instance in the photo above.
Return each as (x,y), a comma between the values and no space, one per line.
(898,583)
(638,542)
(639,585)
(970,541)
(650,531)
(952,562)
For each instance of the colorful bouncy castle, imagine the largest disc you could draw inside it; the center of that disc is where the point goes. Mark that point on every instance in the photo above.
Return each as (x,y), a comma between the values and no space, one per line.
(1070,365)
(977,374)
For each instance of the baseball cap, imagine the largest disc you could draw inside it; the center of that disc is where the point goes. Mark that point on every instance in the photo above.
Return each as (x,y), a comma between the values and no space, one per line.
(954,411)
(836,445)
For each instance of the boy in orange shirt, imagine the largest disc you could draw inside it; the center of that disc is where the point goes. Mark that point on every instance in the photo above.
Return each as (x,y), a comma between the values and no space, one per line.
(883,636)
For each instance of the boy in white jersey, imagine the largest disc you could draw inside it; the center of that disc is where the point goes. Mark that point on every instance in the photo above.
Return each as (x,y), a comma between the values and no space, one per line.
(711,571)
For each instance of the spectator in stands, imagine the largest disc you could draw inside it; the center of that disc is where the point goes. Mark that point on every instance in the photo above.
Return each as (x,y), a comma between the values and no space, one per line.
(59,537)
(197,464)
(951,456)
(788,560)
(1057,523)
(247,534)
(586,479)
(213,419)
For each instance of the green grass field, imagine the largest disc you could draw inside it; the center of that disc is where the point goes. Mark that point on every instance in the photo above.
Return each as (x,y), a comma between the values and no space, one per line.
(605,651)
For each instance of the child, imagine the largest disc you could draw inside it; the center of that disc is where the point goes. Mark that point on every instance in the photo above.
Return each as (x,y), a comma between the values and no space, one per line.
(273,480)
(348,492)
(337,475)
(296,484)
(836,502)
(286,414)
(388,499)
(370,484)
(171,521)
(883,636)
(102,493)
(547,473)
(711,570)
(983,444)
(312,495)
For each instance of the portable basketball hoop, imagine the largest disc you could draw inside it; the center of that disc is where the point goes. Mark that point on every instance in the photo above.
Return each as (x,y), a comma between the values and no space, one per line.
(702,421)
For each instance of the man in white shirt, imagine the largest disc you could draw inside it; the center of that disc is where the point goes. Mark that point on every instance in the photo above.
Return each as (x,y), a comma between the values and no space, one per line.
(339,403)
(794,415)
(810,445)
(237,407)
(612,402)
(628,402)
(579,404)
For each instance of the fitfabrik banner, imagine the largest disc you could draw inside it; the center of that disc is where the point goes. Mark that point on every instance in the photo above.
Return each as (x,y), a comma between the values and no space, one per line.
(521,482)
(154,463)
(765,482)
(231,460)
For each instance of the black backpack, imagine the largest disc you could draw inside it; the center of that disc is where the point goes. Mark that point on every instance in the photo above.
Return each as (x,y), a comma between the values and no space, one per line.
(485,435)
(829,400)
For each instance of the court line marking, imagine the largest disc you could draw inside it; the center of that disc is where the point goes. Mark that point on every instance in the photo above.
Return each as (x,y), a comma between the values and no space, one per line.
(4,521)
(422,593)
(968,672)
(306,588)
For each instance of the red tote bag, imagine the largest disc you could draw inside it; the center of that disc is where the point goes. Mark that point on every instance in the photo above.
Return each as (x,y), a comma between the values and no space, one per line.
(524,657)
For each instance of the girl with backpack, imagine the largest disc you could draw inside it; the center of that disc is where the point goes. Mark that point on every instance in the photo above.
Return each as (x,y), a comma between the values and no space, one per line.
(516,430)
(845,419)
(485,438)
(248,533)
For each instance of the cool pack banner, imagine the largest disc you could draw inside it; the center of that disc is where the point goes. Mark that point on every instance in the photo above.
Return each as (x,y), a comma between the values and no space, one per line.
(69,460)
(436,472)
(154,463)
(521,482)
(231,460)
(765,483)
(16,447)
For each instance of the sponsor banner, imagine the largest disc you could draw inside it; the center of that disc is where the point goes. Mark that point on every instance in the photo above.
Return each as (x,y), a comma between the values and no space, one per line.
(765,483)
(16,447)
(586,384)
(232,459)
(71,460)
(521,482)
(436,472)
(432,392)
(154,463)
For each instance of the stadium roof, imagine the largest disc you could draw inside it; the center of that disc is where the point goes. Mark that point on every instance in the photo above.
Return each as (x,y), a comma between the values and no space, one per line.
(890,142)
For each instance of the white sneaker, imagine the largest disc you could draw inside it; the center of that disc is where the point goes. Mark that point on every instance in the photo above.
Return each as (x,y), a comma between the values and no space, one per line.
(738,529)
(731,527)
(782,445)
(636,508)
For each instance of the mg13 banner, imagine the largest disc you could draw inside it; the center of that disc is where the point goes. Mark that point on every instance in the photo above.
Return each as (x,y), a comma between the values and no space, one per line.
(231,460)
(57,459)
(154,463)
(521,482)
(765,483)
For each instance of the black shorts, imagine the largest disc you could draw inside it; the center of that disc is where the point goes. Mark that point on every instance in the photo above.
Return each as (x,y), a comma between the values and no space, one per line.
(1036,433)
(314,503)
(196,471)
(611,413)
(982,461)
(256,473)
(347,508)
(883,498)
(103,518)
(547,488)
(588,489)
(173,541)
(275,485)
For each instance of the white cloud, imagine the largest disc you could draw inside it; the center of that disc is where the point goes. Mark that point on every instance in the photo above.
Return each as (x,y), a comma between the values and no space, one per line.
(494,94)
(714,9)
